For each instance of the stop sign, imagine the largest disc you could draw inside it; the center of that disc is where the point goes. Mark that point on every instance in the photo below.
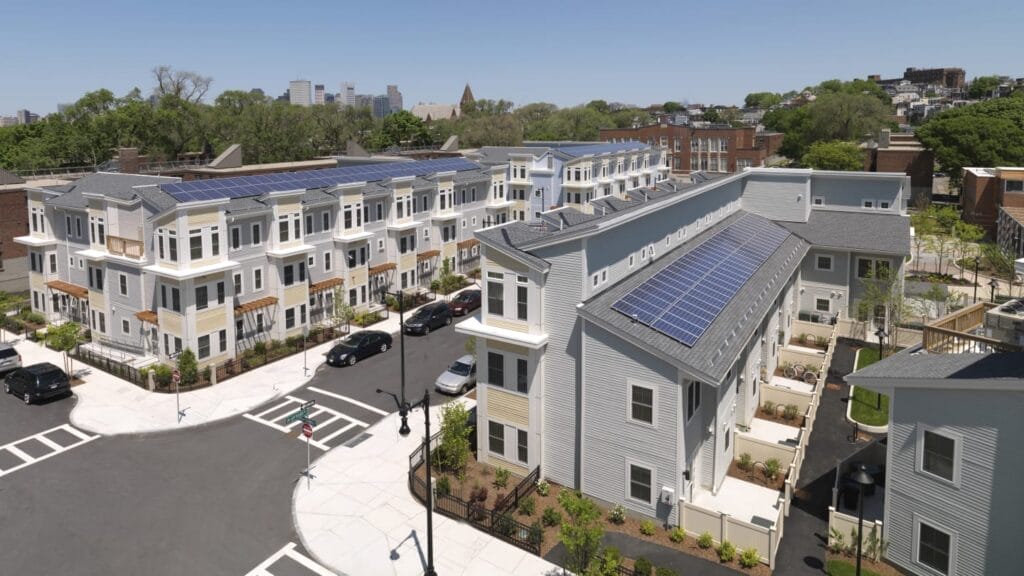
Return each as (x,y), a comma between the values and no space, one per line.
(307,430)
(176,376)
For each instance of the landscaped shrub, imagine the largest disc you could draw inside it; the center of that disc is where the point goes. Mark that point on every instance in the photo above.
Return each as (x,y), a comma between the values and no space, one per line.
(642,567)
(769,407)
(726,552)
(551,517)
(677,535)
(543,488)
(705,540)
(663,571)
(536,535)
(789,412)
(504,525)
(749,558)
(611,559)
(443,485)
(294,342)
(259,348)
(746,462)
(33,318)
(617,515)
(501,476)
(836,541)
(498,497)
(771,468)
(527,506)
(647,528)
(478,493)
(453,450)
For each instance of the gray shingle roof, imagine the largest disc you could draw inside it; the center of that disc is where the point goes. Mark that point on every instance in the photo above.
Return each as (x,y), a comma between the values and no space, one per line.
(494,155)
(112,185)
(858,231)
(156,197)
(913,364)
(468,176)
(245,205)
(509,236)
(317,196)
(713,354)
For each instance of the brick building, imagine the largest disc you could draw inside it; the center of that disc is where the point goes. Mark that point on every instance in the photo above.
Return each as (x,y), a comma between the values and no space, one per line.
(710,149)
(985,190)
(14,222)
(948,77)
(902,153)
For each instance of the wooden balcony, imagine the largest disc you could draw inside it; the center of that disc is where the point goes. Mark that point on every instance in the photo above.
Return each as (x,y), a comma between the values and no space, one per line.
(957,333)
(125,247)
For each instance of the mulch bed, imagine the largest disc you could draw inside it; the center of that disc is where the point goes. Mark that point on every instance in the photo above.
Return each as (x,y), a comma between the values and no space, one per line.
(756,476)
(882,568)
(777,416)
(823,346)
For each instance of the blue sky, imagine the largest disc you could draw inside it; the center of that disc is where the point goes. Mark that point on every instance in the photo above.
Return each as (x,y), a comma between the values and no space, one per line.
(565,52)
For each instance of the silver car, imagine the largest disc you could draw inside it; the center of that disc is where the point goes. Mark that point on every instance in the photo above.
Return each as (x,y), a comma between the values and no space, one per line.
(9,358)
(459,377)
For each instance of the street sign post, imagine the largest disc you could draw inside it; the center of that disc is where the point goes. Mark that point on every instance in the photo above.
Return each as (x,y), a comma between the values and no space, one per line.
(176,378)
(307,431)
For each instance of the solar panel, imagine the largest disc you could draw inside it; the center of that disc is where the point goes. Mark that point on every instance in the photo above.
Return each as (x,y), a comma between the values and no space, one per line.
(601,148)
(255,185)
(683,299)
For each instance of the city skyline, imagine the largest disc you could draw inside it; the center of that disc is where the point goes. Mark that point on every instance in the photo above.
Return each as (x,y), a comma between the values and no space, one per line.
(763,51)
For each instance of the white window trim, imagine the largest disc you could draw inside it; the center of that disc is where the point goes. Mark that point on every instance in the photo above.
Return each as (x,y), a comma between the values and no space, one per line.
(817,200)
(257,238)
(916,545)
(654,483)
(819,298)
(328,261)
(126,324)
(380,245)
(504,438)
(258,286)
(241,284)
(632,260)
(696,409)
(122,279)
(630,384)
(311,261)
(864,204)
(958,448)
(880,202)
(231,235)
(831,262)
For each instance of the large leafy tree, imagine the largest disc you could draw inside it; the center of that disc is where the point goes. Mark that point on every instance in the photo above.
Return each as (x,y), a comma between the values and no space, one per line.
(762,99)
(834,155)
(982,86)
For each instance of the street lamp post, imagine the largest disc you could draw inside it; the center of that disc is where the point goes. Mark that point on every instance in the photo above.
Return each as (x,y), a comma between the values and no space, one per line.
(403,404)
(994,285)
(425,403)
(864,481)
(882,334)
(977,261)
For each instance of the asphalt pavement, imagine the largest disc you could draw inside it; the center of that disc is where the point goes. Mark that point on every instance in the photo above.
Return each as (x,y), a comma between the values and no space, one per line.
(209,500)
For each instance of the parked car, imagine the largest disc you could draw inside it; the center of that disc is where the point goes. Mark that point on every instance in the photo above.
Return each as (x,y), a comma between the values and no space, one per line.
(428,318)
(37,382)
(466,302)
(355,347)
(459,377)
(9,358)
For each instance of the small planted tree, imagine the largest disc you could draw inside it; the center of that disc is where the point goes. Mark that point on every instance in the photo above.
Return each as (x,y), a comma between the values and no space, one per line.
(342,313)
(63,339)
(188,367)
(581,530)
(470,346)
(453,449)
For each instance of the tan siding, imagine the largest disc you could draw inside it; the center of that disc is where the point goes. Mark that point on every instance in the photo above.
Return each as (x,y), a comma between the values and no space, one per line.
(210,321)
(407,261)
(496,259)
(510,408)
(203,217)
(295,295)
(36,282)
(288,207)
(499,322)
(510,348)
(97,301)
(448,250)
(514,468)
(170,322)
(356,278)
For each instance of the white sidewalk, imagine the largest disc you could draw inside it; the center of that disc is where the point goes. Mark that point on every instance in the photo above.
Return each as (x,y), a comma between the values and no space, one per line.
(109,405)
(359,516)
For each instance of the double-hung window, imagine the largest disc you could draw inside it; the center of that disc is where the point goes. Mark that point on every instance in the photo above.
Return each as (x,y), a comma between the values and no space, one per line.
(496,437)
(204,346)
(641,404)
(522,297)
(495,369)
(201,298)
(495,293)
(522,446)
(934,547)
(640,482)
(939,454)
(692,399)
(522,375)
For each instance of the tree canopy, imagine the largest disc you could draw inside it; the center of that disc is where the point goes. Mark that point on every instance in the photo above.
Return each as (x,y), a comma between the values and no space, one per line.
(834,155)
(762,99)
(989,133)
(982,86)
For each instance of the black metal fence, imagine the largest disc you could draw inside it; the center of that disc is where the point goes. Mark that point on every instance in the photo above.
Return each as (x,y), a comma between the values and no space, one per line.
(119,369)
(497,522)
(522,490)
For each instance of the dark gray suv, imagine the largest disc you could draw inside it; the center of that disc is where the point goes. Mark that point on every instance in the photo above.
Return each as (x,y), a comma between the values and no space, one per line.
(37,382)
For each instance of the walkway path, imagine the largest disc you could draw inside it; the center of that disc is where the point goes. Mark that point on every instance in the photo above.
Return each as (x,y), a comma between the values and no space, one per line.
(358,516)
(802,551)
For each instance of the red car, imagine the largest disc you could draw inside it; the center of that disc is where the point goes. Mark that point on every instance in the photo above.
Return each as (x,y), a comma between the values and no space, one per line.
(465,302)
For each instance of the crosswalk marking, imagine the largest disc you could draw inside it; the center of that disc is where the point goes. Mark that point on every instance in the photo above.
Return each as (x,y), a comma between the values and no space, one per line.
(55,448)
(325,416)
(352,401)
(289,550)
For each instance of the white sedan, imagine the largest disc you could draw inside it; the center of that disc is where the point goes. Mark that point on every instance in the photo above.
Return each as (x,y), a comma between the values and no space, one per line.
(459,377)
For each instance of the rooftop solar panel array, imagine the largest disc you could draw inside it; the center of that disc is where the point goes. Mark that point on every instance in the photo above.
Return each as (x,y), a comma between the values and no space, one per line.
(683,299)
(241,186)
(602,148)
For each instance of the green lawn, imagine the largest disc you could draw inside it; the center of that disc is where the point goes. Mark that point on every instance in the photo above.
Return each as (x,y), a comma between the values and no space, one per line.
(844,568)
(864,401)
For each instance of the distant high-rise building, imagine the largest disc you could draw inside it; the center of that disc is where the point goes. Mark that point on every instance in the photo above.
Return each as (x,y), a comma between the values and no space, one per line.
(394,98)
(300,92)
(363,100)
(347,97)
(6,121)
(318,94)
(329,98)
(285,97)
(381,106)
(26,117)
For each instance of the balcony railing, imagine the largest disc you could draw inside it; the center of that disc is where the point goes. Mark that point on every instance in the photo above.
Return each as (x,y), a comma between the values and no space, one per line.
(125,247)
(956,333)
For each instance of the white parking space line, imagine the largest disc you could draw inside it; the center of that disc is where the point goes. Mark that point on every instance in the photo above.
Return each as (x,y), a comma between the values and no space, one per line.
(353,401)
(289,550)
(55,448)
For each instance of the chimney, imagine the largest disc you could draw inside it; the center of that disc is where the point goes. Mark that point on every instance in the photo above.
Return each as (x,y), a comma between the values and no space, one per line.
(128,160)
(883,138)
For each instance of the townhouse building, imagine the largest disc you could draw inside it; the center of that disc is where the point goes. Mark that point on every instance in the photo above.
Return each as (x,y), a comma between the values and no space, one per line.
(952,460)
(985,190)
(154,265)
(541,176)
(619,348)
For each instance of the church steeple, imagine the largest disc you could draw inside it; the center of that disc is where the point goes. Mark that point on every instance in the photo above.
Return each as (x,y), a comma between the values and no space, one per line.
(467,98)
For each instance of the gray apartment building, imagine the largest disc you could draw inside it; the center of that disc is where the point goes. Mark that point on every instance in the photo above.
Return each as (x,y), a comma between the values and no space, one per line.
(953,459)
(621,343)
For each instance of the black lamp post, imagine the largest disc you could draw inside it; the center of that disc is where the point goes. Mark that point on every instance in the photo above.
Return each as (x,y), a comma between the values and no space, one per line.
(403,404)
(994,285)
(425,403)
(977,261)
(864,481)
(882,335)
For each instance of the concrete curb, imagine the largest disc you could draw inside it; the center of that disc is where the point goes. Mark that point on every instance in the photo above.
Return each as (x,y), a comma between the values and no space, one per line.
(849,408)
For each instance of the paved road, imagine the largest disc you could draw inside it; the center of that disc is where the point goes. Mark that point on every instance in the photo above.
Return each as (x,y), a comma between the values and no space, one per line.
(208,500)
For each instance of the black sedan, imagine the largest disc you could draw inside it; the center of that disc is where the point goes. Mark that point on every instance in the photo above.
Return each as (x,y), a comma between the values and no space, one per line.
(355,347)
(37,382)
(429,317)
